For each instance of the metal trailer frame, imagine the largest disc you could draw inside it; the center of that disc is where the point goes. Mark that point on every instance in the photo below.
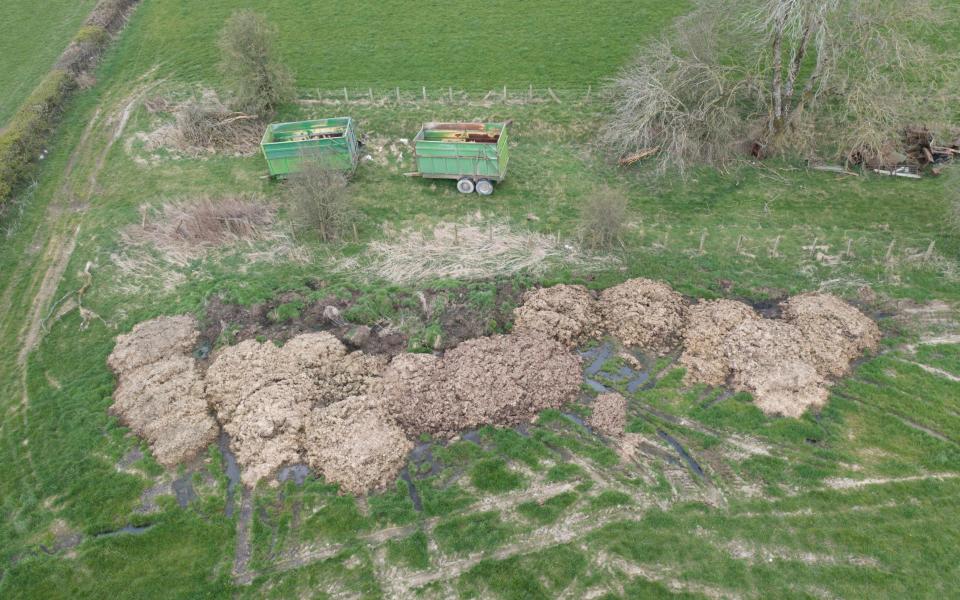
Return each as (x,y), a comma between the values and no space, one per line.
(334,140)
(450,154)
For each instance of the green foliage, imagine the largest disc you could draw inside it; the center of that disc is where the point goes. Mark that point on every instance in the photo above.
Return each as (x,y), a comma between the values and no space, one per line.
(535,576)
(30,42)
(260,82)
(565,472)
(24,137)
(286,312)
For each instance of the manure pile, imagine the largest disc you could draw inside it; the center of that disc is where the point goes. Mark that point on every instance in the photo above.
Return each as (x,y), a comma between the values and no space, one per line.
(351,416)
(785,363)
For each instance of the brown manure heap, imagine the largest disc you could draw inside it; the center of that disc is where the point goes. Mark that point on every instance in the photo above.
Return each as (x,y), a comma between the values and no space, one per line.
(354,443)
(160,392)
(644,313)
(498,380)
(609,414)
(351,416)
(836,332)
(264,396)
(566,313)
(708,325)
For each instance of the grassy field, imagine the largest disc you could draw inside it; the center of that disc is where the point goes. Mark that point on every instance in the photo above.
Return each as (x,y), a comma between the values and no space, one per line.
(860,500)
(388,44)
(31,42)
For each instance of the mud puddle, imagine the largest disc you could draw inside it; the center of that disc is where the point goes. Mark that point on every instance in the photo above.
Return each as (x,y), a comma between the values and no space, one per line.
(233,470)
(126,530)
(603,381)
(412,490)
(296,473)
(691,463)
(183,489)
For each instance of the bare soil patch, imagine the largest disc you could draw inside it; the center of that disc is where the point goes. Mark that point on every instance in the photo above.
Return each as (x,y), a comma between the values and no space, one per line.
(501,380)
(708,324)
(644,313)
(160,394)
(566,313)
(609,414)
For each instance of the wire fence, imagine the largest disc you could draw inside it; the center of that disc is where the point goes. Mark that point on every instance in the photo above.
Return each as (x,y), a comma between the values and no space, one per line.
(405,95)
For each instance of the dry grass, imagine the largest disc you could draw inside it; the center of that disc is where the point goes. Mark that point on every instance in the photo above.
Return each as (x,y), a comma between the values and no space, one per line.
(475,250)
(178,233)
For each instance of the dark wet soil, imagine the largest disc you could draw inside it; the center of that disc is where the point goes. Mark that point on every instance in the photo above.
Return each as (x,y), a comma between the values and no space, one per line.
(233,471)
(463,313)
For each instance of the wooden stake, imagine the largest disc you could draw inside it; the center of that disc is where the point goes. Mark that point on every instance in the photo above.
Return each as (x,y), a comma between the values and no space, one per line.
(589,91)
(530,94)
(319,95)
(703,240)
(398,94)
(450,92)
(849,252)
(773,251)
(424,93)
(929,252)
(356,237)
(813,246)
(370,91)
(739,243)
(554,96)
(889,250)
(504,93)
(346,98)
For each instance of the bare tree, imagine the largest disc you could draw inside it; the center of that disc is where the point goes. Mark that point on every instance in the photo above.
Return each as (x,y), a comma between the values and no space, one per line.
(788,76)
(603,218)
(319,200)
(259,81)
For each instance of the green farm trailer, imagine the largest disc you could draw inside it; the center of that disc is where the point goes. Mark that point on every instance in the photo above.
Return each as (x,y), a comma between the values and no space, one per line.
(332,141)
(475,154)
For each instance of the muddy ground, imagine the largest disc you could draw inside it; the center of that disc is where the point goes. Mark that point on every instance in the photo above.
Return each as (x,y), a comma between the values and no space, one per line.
(459,318)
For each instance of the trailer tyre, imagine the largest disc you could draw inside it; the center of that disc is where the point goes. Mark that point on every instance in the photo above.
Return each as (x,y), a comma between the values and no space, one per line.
(465,185)
(484,187)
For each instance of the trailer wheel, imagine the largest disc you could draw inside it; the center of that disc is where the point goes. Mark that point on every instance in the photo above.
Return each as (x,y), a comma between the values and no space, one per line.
(484,187)
(465,185)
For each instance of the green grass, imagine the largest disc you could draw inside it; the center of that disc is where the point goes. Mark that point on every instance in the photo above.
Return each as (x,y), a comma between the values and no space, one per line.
(548,511)
(471,533)
(58,451)
(493,475)
(410,552)
(389,43)
(30,42)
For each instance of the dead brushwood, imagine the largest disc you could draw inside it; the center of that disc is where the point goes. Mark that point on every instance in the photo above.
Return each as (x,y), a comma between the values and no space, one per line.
(176,234)
(208,125)
(320,201)
(188,227)
(603,219)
